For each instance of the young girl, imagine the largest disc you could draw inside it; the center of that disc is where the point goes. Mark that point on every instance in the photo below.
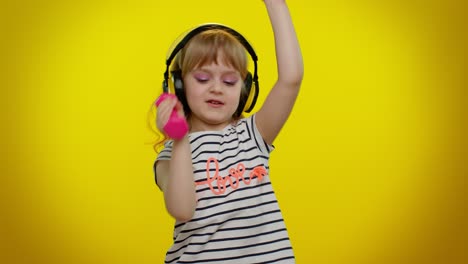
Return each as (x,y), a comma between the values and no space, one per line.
(215,178)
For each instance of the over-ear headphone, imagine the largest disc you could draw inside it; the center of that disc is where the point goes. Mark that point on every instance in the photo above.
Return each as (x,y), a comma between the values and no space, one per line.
(247,100)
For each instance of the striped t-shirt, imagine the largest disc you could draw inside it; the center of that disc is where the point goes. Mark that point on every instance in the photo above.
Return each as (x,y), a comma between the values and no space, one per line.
(237,219)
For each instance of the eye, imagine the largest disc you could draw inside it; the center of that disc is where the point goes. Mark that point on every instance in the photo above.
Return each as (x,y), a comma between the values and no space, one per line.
(230,82)
(201,78)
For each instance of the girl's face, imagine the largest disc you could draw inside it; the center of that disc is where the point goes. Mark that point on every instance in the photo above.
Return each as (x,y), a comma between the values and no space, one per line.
(212,93)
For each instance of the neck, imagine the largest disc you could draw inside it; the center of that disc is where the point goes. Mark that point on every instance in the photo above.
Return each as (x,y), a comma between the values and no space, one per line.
(197,126)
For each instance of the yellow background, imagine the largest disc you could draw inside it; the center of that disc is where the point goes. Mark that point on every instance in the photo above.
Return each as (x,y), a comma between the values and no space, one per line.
(370,167)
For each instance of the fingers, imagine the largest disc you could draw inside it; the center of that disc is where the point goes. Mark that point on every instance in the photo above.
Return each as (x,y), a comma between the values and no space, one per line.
(166,106)
(164,111)
(180,109)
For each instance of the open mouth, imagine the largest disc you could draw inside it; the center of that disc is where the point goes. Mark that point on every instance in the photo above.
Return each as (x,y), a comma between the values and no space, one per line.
(215,102)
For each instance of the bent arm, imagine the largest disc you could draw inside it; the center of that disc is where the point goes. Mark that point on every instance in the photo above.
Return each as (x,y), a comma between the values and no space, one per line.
(175,177)
(280,101)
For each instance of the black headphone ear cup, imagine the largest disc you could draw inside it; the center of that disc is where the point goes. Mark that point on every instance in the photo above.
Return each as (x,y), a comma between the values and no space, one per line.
(248,82)
(245,95)
(179,90)
(177,81)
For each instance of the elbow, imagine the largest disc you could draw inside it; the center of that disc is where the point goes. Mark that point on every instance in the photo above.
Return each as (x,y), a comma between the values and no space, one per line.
(296,81)
(182,213)
(296,78)
(181,203)
(292,79)
(182,216)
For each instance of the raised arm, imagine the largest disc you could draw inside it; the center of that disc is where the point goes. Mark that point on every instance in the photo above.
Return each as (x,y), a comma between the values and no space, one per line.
(280,101)
(175,176)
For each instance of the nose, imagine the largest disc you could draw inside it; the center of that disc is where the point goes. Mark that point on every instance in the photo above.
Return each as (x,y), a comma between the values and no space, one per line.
(216,87)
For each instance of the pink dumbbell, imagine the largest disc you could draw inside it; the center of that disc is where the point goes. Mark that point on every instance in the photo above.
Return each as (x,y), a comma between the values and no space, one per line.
(176,127)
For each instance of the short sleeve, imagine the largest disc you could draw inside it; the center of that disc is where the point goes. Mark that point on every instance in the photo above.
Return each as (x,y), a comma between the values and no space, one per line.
(165,154)
(259,141)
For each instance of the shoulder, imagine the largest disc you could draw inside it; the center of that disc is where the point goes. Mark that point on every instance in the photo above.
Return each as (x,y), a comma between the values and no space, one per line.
(162,162)
(250,125)
(160,168)
(165,153)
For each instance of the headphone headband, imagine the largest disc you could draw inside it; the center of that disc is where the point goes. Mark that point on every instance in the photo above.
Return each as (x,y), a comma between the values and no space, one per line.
(206,27)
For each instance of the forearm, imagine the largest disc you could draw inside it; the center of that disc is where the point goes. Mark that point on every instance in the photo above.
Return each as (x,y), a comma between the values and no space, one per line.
(180,188)
(288,53)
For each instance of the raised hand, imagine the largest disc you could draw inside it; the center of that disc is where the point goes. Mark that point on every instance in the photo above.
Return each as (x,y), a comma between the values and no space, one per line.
(170,116)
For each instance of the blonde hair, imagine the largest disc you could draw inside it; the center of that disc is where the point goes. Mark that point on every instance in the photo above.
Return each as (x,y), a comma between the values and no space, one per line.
(202,49)
(205,47)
